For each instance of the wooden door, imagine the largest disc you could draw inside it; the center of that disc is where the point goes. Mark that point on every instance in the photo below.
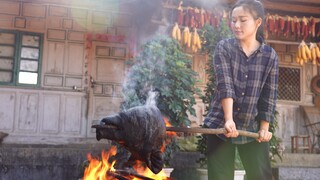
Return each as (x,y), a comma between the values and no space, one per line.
(107,75)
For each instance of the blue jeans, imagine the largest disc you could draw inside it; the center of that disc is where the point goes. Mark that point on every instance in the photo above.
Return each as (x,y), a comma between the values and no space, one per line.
(221,155)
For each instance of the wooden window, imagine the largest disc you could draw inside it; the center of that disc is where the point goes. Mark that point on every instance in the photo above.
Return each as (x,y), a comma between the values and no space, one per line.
(289,84)
(20,57)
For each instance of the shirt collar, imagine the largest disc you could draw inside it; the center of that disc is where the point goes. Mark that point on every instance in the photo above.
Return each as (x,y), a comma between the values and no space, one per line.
(259,38)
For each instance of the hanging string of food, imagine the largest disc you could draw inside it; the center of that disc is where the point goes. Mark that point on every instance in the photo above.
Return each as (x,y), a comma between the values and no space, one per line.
(308,54)
(191,19)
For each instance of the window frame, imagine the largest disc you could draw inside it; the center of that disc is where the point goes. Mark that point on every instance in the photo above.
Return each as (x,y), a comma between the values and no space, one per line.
(17,58)
(301,86)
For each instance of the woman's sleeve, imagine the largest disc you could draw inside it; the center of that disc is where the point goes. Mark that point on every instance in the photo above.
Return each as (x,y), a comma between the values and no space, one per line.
(223,73)
(268,97)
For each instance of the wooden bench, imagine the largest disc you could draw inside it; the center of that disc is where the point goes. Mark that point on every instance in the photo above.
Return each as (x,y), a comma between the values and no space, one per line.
(301,142)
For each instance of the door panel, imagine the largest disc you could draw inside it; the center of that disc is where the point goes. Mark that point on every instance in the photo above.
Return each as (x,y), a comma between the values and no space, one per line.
(108,69)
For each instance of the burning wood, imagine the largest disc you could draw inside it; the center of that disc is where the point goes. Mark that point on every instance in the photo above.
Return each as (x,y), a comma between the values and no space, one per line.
(104,170)
(125,173)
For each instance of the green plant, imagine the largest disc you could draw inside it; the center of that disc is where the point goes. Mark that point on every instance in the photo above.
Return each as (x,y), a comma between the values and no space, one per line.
(163,66)
(274,141)
(187,143)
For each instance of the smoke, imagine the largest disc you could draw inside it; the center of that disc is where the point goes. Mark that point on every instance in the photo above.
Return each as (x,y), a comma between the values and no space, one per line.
(207,3)
(151,101)
(143,13)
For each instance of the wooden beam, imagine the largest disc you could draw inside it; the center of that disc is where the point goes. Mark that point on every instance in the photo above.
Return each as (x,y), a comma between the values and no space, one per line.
(297,1)
(287,7)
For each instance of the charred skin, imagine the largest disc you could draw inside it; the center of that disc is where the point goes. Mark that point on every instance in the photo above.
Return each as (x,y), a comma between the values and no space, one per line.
(141,130)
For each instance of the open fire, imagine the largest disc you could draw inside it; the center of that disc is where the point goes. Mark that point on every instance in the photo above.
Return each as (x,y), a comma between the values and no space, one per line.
(142,131)
(104,169)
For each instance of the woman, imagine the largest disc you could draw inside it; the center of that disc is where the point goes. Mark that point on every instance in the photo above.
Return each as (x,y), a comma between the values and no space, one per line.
(246,70)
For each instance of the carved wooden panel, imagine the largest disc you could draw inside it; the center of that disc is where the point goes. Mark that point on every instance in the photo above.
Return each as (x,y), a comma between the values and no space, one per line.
(72,120)
(104,106)
(98,89)
(101,18)
(122,20)
(108,89)
(56,34)
(20,22)
(117,90)
(79,24)
(119,52)
(28,112)
(67,23)
(7,110)
(78,13)
(6,51)
(75,59)
(50,80)
(56,51)
(58,11)
(102,51)
(76,36)
(54,22)
(110,70)
(6,21)
(7,38)
(33,10)
(73,81)
(51,113)
(123,31)
(36,23)
(11,8)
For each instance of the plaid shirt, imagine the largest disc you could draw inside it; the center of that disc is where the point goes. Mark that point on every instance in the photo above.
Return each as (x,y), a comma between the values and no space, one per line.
(251,81)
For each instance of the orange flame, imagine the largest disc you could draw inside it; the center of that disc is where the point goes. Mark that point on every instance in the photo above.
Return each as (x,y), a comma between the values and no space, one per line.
(97,169)
(169,133)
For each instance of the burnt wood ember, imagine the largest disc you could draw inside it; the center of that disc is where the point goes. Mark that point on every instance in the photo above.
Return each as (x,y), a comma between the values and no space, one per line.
(141,130)
(125,174)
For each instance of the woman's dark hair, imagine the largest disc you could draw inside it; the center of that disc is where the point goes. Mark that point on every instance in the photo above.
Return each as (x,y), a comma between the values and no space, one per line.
(255,8)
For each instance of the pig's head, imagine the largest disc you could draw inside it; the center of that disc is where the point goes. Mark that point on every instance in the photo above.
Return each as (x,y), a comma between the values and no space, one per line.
(115,132)
(141,130)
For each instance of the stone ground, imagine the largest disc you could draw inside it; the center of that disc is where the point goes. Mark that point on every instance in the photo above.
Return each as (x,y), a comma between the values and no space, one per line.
(52,162)
(300,166)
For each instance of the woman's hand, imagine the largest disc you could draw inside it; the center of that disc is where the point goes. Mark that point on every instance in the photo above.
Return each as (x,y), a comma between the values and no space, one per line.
(264,136)
(231,128)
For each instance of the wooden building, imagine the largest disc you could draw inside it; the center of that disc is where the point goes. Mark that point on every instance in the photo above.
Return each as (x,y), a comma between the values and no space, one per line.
(62,64)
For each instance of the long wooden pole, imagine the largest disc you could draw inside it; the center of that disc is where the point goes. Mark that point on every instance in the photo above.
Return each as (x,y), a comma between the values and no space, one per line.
(192,130)
(211,131)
